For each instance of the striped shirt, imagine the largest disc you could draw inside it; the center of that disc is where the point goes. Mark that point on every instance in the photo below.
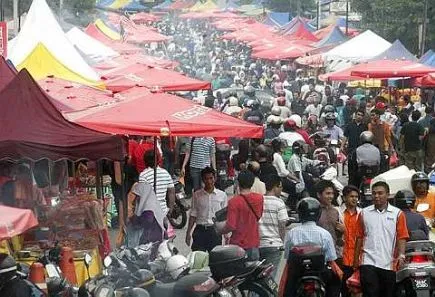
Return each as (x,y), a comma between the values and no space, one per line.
(309,233)
(163,183)
(274,212)
(201,152)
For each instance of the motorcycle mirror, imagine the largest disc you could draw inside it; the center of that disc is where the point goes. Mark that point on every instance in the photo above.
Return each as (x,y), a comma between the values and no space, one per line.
(107,261)
(88,259)
(422,207)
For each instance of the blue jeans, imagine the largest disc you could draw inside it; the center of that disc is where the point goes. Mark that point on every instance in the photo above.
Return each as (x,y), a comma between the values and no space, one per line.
(273,256)
(195,174)
(253,254)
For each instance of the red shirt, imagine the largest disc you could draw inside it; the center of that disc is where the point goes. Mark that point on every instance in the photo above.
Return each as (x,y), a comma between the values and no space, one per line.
(242,221)
(139,153)
(306,136)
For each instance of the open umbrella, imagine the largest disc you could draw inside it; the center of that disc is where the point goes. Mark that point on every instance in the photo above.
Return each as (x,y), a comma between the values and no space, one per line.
(15,221)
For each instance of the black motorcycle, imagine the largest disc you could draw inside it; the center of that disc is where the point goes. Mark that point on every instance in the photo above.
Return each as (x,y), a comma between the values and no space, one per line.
(178,217)
(417,276)
(306,269)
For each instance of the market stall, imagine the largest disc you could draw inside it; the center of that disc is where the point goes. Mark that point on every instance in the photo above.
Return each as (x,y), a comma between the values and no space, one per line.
(37,155)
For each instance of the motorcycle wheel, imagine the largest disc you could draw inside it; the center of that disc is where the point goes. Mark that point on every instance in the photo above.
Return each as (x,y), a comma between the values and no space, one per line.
(254,290)
(178,219)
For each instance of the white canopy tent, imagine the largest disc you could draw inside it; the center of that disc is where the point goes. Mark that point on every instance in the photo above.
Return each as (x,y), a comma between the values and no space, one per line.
(93,49)
(360,48)
(43,48)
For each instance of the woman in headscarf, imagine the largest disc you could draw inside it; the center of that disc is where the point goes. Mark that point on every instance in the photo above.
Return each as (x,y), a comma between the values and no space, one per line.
(145,216)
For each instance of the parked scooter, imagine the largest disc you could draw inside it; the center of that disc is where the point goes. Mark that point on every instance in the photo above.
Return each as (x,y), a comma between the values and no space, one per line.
(417,277)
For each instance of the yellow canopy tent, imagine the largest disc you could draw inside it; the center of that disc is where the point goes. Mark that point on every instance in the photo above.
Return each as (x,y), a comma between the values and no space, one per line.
(43,48)
(117,4)
(109,32)
(203,7)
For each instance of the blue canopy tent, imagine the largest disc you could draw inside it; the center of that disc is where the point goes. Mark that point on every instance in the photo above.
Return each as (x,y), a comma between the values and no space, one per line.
(104,4)
(134,6)
(231,5)
(397,51)
(270,22)
(293,24)
(281,18)
(163,5)
(335,36)
(428,58)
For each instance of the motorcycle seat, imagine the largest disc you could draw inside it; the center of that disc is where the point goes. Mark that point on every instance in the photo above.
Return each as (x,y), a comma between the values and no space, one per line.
(249,268)
(163,290)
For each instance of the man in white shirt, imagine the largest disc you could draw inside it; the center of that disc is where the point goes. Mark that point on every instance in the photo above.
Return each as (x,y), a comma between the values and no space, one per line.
(273,222)
(205,203)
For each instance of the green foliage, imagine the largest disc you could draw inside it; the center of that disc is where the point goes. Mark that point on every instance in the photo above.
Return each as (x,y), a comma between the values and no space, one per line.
(80,5)
(397,19)
(295,7)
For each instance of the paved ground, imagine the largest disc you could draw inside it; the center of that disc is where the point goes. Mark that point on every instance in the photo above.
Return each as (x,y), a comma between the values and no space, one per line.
(181,234)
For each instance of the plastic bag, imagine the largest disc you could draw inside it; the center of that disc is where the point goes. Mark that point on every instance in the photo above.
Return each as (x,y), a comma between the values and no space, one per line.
(353,283)
(341,157)
(394,160)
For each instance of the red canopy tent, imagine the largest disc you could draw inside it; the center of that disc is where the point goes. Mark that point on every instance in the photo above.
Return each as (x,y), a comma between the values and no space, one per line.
(279,53)
(7,74)
(391,68)
(31,127)
(144,17)
(381,69)
(144,115)
(15,221)
(126,60)
(301,32)
(142,34)
(154,78)
(68,96)
(425,81)
(120,47)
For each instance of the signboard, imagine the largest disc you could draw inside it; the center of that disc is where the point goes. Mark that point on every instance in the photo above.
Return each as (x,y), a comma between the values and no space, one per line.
(3,39)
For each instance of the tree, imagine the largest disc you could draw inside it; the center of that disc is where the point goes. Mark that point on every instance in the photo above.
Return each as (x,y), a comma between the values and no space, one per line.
(397,19)
(295,7)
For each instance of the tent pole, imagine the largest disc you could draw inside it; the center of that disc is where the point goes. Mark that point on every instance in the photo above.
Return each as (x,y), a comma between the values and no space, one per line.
(155,164)
(98,182)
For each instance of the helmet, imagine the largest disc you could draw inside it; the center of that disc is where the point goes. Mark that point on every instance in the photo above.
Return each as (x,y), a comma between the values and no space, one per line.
(255,104)
(380,105)
(366,137)
(276,111)
(8,268)
(280,101)
(233,101)
(419,177)
(404,199)
(298,147)
(278,143)
(290,124)
(198,260)
(298,120)
(249,91)
(329,109)
(330,116)
(274,120)
(177,266)
(309,209)
(246,102)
